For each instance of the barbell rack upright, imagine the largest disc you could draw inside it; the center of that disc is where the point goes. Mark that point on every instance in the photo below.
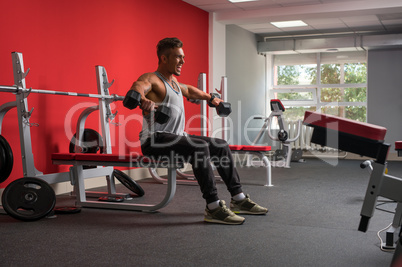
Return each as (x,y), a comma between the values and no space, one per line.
(21,103)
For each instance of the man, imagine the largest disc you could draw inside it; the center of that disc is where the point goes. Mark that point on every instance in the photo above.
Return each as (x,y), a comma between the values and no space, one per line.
(162,88)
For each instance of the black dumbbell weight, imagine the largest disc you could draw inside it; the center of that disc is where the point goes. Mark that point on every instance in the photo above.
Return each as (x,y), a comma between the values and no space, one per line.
(223,109)
(133,99)
(282,135)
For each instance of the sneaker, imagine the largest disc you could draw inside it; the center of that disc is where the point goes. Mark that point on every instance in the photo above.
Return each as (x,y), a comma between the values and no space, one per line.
(222,215)
(247,206)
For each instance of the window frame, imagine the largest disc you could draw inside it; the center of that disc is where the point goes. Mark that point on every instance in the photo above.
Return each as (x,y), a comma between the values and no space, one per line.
(316,89)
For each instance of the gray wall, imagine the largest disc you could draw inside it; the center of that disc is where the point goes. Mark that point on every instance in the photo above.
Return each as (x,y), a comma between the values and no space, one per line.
(245,71)
(384,96)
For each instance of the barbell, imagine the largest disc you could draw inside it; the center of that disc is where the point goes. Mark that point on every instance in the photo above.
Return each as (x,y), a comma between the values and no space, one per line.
(18,90)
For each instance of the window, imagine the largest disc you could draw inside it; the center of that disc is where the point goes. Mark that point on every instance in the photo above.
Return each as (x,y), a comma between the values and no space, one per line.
(331,83)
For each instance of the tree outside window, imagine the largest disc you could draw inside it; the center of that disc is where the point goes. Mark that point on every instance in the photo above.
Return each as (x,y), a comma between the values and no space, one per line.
(341,89)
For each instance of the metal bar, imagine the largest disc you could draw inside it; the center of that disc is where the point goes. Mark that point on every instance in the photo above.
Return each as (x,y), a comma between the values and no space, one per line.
(104,108)
(224,88)
(4,109)
(82,200)
(28,164)
(202,84)
(391,188)
(370,199)
(17,90)
(79,134)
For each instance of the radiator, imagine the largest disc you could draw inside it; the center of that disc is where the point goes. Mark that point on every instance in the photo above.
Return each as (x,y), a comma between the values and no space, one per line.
(304,140)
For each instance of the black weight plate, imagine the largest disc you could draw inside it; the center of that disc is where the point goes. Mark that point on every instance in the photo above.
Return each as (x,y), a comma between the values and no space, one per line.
(28,199)
(297,155)
(111,199)
(67,210)
(128,182)
(6,159)
(92,142)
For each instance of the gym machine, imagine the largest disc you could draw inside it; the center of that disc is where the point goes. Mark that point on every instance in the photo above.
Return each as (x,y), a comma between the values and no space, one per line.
(277,110)
(367,140)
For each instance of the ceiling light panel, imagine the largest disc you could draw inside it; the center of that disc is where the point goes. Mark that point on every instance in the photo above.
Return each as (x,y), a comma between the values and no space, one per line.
(241,1)
(288,24)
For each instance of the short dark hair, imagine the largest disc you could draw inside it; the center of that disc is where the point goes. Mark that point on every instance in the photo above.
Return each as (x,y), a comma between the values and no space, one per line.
(166,44)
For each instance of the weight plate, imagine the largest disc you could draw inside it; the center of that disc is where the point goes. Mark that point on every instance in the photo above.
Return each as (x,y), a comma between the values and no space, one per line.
(28,199)
(128,182)
(297,155)
(6,159)
(92,142)
(282,135)
(111,199)
(67,210)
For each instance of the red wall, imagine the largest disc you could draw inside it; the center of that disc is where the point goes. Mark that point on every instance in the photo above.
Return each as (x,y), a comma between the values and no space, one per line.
(62,41)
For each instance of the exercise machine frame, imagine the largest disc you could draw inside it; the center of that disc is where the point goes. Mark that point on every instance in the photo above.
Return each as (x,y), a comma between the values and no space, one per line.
(277,110)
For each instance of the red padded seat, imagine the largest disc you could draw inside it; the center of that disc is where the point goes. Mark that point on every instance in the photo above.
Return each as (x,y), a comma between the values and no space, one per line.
(398,145)
(365,130)
(249,148)
(348,135)
(63,156)
(235,147)
(100,157)
(110,157)
(257,148)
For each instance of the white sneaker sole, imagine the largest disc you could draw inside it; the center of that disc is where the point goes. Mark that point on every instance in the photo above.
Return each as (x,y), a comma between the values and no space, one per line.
(211,220)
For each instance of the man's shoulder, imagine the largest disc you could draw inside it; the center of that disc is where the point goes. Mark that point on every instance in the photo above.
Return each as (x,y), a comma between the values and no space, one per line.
(147,76)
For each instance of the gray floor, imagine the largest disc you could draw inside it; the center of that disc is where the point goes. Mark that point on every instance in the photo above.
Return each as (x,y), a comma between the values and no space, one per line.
(313,219)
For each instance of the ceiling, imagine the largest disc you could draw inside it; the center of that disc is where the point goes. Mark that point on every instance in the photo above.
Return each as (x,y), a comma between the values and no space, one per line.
(323,17)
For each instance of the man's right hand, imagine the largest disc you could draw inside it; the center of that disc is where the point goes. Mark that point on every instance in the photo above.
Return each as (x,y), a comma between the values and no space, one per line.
(147,105)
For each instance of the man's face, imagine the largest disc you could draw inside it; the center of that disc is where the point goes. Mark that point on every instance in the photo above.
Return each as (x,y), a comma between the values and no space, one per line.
(175,61)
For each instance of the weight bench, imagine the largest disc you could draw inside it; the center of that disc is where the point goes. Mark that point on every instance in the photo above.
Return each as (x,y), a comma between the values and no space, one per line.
(364,139)
(129,160)
(367,140)
(398,148)
(257,150)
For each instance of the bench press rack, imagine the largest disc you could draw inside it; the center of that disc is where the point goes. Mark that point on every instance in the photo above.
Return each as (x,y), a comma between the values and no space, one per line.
(367,140)
(76,174)
(21,103)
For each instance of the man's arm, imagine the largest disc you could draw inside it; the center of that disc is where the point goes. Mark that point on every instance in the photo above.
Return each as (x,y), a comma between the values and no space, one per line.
(192,92)
(144,86)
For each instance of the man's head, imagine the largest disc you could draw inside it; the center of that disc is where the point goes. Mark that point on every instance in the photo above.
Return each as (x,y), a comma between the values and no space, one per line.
(170,54)
(165,45)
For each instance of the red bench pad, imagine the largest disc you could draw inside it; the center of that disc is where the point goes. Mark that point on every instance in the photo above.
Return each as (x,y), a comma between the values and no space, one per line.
(249,148)
(398,145)
(235,147)
(133,157)
(256,148)
(361,129)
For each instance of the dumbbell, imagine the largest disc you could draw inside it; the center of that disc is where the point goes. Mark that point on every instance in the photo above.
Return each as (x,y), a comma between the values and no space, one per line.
(133,99)
(223,109)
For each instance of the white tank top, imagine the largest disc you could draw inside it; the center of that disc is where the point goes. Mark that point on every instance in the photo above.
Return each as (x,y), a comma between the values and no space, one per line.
(175,125)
